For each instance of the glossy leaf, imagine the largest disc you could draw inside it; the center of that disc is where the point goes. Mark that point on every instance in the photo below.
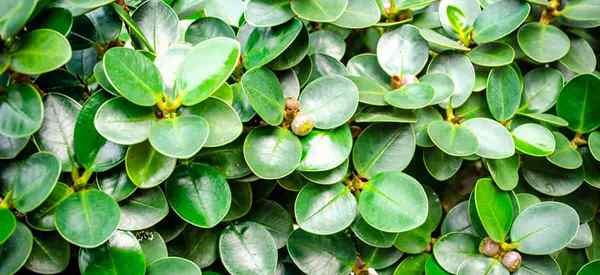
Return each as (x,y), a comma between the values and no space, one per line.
(87,218)
(503,92)
(336,143)
(325,209)
(393,202)
(455,140)
(536,232)
(242,254)
(576,103)
(330,101)
(199,194)
(147,167)
(383,147)
(402,51)
(535,38)
(272,152)
(22,111)
(265,94)
(40,51)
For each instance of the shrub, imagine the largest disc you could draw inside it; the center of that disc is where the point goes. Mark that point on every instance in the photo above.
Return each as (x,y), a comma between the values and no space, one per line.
(299,136)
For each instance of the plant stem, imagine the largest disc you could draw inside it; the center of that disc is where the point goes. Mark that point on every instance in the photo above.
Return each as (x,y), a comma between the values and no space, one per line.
(80,181)
(509,246)
(450,114)
(6,202)
(578,140)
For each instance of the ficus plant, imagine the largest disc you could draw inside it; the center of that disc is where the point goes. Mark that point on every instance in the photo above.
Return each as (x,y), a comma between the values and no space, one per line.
(315,137)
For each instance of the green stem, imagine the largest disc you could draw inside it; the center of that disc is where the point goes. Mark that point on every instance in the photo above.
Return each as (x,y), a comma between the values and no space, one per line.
(450,114)
(6,202)
(81,181)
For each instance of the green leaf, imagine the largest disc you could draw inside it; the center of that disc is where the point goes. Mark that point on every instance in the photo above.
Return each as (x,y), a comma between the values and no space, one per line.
(503,92)
(335,143)
(121,254)
(452,249)
(549,179)
(370,235)
(206,28)
(143,209)
(577,103)
(377,149)
(326,42)
(402,51)
(564,155)
(482,265)
(123,122)
(437,40)
(294,54)
(534,140)
(366,65)
(580,58)
(9,224)
(504,172)
(33,180)
(411,96)
(393,202)
(536,231)
(412,265)
(133,75)
(265,44)
(440,165)
(50,254)
(319,11)
(495,142)
(229,11)
(180,137)
(379,258)
(272,152)
(265,94)
(15,251)
(264,13)
(456,18)
(330,101)
(369,90)
(594,144)
(385,114)
(418,239)
(197,245)
(359,14)
(459,68)
(10,147)
(21,108)
(14,16)
(541,89)
(92,150)
(328,177)
(56,133)
(217,113)
(584,10)
(42,218)
(276,219)
(116,184)
(325,209)
(147,167)
(442,85)
(241,200)
(454,140)
(242,254)
(158,23)
(40,51)
(173,264)
(87,218)
(543,43)
(199,194)
(499,19)
(457,220)
(590,268)
(494,208)
(322,254)
(153,247)
(468,8)
(205,68)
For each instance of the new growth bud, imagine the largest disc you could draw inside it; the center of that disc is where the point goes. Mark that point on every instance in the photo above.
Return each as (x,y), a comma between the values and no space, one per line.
(489,247)
(302,124)
(512,261)
(292,104)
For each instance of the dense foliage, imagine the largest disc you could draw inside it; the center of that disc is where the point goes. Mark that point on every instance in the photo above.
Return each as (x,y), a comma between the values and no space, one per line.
(300,136)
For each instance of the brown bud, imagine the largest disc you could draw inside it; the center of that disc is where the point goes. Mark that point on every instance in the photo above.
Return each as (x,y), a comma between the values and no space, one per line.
(512,260)
(489,247)
(302,124)
(401,80)
(292,104)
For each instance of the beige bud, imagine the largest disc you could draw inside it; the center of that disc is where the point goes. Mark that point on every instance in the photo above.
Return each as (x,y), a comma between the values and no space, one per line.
(303,124)
(512,261)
